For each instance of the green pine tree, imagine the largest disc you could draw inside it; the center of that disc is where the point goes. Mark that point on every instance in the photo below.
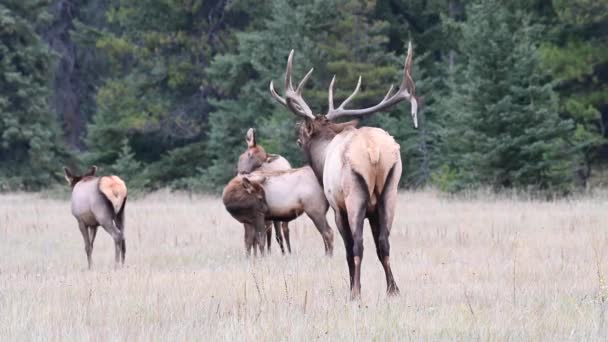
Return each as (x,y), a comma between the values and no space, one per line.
(158,52)
(30,144)
(577,57)
(132,171)
(504,129)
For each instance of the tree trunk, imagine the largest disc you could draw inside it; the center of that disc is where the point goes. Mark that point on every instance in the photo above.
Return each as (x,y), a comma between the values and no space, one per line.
(65,100)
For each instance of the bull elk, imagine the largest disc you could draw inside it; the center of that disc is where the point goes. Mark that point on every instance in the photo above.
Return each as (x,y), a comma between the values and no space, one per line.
(99,201)
(253,159)
(279,196)
(359,168)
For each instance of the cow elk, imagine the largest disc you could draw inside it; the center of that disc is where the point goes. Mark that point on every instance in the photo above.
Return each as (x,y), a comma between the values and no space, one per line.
(99,201)
(359,168)
(253,159)
(278,196)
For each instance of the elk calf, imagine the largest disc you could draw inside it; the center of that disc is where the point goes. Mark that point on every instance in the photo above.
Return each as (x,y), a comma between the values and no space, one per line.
(253,159)
(246,202)
(280,196)
(99,201)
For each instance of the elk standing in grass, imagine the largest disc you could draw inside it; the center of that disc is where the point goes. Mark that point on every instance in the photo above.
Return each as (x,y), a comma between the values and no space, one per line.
(99,201)
(359,168)
(256,159)
(279,196)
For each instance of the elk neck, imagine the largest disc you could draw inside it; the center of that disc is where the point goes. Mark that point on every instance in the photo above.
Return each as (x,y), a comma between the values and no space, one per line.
(317,150)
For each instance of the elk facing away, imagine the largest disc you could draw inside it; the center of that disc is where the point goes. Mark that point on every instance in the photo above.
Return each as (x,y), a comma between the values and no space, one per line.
(99,201)
(278,196)
(359,168)
(253,159)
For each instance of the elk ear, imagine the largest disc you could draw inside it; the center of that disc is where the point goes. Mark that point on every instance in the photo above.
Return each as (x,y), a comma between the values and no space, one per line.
(308,128)
(69,176)
(339,127)
(250,138)
(272,157)
(92,171)
(248,185)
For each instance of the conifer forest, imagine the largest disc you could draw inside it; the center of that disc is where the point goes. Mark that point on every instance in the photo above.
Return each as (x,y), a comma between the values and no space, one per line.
(512,94)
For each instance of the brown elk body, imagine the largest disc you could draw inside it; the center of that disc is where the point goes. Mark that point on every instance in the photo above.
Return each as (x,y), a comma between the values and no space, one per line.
(253,159)
(280,196)
(246,202)
(359,168)
(99,201)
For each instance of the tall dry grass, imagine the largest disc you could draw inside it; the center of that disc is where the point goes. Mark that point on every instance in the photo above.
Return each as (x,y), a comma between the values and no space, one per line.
(479,268)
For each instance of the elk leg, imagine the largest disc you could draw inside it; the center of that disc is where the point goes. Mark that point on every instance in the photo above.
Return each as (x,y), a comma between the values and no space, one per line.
(383,247)
(277,230)
(249,239)
(260,227)
(285,228)
(119,240)
(384,216)
(87,242)
(356,205)
(320,221)
(347,237)
(92,234)
(268,225)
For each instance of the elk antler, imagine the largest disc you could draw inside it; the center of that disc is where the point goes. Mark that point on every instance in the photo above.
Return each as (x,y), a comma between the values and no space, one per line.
(293,98)
(406,92)
(250,138)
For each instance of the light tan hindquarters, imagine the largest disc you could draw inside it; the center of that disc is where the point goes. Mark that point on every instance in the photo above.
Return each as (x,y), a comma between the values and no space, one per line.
(372,153)
(114,189)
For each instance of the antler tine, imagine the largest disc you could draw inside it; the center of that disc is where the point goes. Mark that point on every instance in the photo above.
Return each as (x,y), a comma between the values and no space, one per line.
(407,85)
(303,81)
(276,96)
(330,96)
(288,84)
(388,93)
(293,98)
(348,99)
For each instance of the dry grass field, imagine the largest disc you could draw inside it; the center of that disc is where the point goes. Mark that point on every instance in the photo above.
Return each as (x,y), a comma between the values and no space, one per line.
(479,268)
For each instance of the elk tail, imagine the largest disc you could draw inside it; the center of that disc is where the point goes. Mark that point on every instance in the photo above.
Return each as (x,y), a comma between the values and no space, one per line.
(114,191)
(373,152)
(120,217)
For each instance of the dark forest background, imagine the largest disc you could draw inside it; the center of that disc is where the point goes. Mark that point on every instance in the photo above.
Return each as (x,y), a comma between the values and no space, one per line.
(514,94)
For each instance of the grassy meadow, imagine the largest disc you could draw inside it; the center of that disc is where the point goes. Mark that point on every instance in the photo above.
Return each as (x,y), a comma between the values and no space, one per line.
(477,268)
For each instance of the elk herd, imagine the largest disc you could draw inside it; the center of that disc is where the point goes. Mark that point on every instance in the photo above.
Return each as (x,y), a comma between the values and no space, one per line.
(354,170)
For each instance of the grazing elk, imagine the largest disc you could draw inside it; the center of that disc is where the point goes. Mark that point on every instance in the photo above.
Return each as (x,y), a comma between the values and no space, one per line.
(99,201)
(359,168)
(278,196)
(256,159)
(246,202)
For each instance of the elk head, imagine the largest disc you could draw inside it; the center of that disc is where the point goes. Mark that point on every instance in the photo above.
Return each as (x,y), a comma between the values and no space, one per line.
(72,179)
(323,125)
(245,199)
(254,157)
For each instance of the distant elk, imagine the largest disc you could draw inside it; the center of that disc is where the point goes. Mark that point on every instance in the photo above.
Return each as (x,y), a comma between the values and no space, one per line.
(279,196)
(253,159)
(359,168)
(99,201)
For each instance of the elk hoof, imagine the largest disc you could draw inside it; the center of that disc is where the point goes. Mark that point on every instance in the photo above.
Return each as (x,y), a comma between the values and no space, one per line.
(392,290)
